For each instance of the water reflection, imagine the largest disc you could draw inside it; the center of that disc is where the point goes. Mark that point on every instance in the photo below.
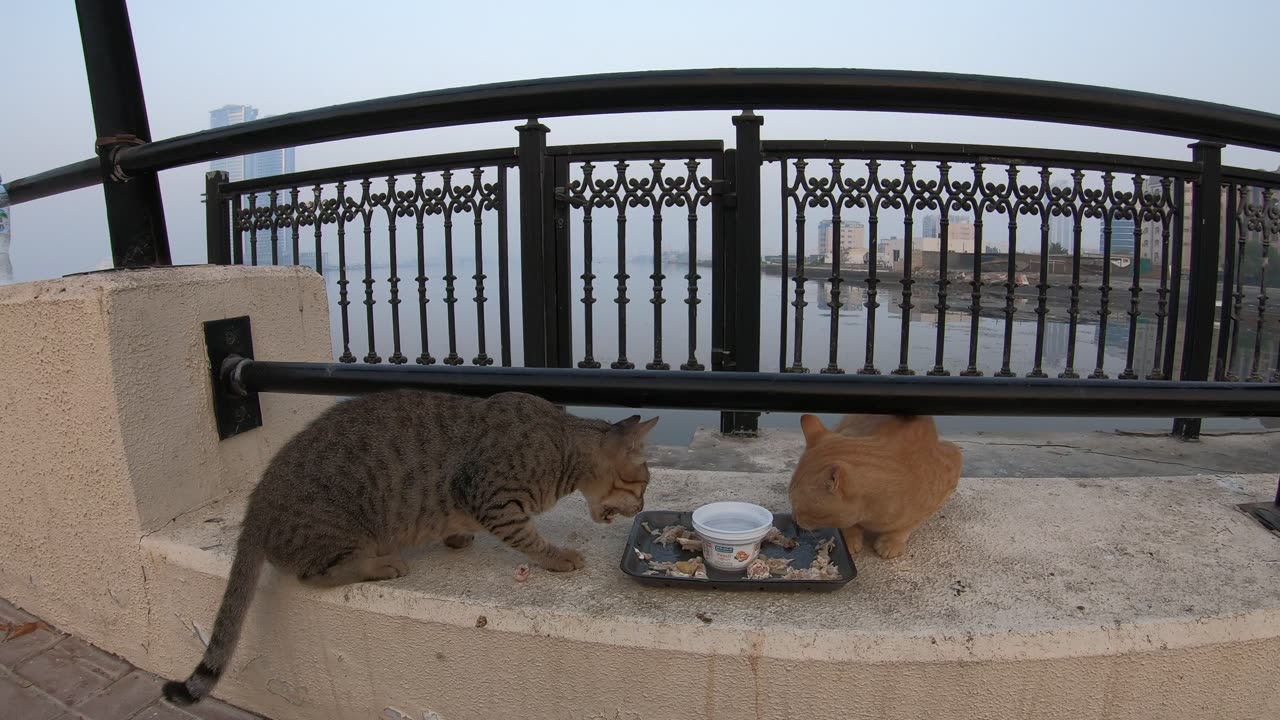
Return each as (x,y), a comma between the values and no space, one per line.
(1096,347)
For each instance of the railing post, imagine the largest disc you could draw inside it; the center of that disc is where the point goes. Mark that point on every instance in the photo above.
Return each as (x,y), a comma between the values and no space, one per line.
(559,307)
(1227,322)
(135,213)
(217,223)
(741,302)
(534,194)
(1206,241)
(722,226)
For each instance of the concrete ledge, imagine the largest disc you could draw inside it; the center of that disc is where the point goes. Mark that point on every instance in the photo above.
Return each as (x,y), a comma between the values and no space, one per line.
(1069,598)
(1142,597)
(108,430)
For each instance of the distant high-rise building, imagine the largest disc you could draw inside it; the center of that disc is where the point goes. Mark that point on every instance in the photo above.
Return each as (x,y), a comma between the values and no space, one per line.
(270,162)
(960,238)
(853,242)
(1122,238)
(1062,229)
(929,225)
(1153,231)
(232,115)
(248,167)
(222,117)
(960,234)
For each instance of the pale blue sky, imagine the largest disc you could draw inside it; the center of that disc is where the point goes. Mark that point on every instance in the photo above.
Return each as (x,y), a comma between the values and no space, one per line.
(283,56)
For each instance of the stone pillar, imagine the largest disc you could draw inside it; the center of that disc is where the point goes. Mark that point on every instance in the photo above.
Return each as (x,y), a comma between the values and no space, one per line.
(107,430)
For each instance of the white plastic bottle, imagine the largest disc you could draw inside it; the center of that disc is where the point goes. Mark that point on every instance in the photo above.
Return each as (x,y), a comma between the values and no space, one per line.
(6,267)
(4,218)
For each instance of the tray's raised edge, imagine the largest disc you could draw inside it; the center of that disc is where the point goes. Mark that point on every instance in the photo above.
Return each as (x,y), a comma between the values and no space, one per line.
(744,582)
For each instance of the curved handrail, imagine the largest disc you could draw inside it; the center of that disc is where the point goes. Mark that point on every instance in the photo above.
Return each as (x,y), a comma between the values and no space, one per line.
(711,89)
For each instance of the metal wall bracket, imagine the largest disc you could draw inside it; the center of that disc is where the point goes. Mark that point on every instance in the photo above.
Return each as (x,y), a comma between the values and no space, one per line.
(229,341)
(563,197)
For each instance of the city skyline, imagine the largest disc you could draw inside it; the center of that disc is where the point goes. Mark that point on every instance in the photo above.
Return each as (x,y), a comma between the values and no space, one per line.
(68,233)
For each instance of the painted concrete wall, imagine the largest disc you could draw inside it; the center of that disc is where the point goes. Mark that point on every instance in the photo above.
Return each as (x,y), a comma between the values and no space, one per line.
(317,656)
(107,430)
(112,476)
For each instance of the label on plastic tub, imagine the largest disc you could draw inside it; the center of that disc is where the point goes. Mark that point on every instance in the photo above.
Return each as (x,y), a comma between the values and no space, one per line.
(730,557)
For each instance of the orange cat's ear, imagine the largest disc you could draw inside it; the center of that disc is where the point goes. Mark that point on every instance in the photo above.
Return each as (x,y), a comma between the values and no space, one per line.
(813,429)
(832,478)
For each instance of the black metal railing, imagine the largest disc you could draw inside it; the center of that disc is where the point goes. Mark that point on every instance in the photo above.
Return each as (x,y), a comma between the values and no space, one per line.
(1251,269)
(993,193)
(270,221)
(1164,299)
(962,260)
(643,178)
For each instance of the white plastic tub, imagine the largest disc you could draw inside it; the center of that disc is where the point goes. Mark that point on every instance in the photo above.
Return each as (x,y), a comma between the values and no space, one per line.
(731,533)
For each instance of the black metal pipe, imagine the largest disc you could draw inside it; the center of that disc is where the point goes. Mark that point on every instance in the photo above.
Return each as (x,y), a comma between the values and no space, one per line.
(782,392)
(643,150)
(722,89)
(401,166)
(75,176)
(135,212)
(964,152)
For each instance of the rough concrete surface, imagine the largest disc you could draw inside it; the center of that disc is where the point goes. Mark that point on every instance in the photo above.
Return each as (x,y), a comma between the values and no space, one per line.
(1005,556)
(1072,576)
(1090,593)
(108,433)
(1102,453)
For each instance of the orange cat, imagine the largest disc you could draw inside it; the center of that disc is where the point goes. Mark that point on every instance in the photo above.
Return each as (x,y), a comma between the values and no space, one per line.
(882,474)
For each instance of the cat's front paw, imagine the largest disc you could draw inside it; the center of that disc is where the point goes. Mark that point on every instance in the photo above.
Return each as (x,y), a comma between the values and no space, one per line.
(890,546)
(564,560)
(853,539)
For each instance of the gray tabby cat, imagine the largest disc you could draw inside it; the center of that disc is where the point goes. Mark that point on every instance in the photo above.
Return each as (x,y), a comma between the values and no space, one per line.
(388,471)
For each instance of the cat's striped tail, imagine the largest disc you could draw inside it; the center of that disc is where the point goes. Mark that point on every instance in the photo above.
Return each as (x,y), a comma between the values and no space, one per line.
(226,628)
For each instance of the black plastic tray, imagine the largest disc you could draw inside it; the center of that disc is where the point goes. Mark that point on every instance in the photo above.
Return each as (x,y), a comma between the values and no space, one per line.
(803,555)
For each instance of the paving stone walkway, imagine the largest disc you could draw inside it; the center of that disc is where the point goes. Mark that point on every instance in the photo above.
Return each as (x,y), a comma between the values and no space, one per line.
(47,675)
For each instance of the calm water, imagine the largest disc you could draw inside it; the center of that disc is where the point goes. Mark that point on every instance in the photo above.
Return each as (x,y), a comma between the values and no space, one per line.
(459,334)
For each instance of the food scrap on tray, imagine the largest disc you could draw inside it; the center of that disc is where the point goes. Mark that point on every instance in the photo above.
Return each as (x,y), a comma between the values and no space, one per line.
(678,534)
(680,569)
(761,568)
(671,534)
(765,567)
(692,544)
(821,569)
(776,537)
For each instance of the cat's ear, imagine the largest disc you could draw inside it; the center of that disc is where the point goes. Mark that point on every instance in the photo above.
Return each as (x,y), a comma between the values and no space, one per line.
(813,429)
(632,429)
(625,426)
(642,429)
(630,433)
(831,478)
